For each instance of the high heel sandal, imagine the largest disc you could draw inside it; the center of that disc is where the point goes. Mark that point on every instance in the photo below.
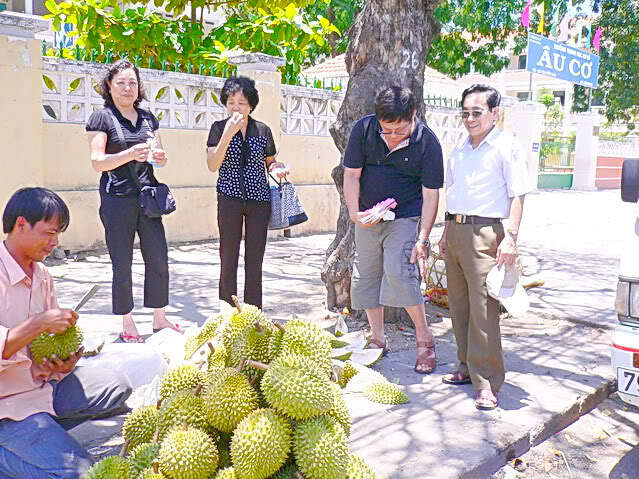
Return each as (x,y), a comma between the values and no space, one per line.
(426,362)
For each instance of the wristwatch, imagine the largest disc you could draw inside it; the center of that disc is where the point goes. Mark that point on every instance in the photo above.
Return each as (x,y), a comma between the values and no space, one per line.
(424,242)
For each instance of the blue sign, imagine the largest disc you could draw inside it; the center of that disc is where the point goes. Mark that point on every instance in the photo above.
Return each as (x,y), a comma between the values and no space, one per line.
(535,147)
(561,61)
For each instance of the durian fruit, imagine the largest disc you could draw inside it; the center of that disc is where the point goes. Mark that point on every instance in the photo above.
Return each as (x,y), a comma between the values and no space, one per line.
(243,317)
(61,345)
(182,378)
(183,406)
(293,385)
(226,473)
(308,339)
(209,331)
(384,392)
(321,449)
(139,426)
(141,457)
(217,358)
(188,453)
(260,445)
(152,472)
(347,374)
(339,411)
(358,469)
(229,398)
(112,467)
(253,343)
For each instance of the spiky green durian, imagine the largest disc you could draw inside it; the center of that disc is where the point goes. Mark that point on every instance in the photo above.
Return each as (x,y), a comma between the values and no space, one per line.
(208,332)
(260,444)
(347,374)
(217,358)
(141,457)
(113,467)
(253,343)
(139,426)
(339,411)
(226,473)
(182,378)
(243,317)
(384,392)
(307,339)
(188,453)
(149,473)
(321,449)
(293,385)
(60,345)
(358,469)
(229,398)
(183,406)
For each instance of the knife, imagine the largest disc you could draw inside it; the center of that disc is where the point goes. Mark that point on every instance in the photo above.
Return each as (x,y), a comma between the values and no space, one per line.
(87,296)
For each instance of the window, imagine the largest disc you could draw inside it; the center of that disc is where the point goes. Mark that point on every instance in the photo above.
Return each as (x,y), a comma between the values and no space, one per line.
(561,96)
(522,62)
(522,96)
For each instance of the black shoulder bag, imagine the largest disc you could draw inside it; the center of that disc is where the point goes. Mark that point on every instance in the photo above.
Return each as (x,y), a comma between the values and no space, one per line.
(155,201)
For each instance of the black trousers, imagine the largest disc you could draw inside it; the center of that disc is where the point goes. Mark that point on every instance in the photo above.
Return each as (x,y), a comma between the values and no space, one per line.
(122,218)
(232,216)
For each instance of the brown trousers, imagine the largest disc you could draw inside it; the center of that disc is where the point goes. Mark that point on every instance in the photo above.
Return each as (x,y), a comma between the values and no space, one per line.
(470,255)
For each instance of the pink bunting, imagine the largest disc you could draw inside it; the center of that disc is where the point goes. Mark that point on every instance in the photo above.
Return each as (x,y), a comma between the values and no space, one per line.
(525,15)
(596,41)
(564,29)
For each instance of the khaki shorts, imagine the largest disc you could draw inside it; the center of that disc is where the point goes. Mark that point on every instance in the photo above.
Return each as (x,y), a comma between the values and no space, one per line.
(382,272)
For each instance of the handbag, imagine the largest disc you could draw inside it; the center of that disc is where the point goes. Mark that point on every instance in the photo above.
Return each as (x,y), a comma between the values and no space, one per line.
(155,201)
(286,209)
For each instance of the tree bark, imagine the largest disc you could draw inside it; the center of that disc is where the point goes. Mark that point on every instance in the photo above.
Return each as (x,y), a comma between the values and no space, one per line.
(388,43)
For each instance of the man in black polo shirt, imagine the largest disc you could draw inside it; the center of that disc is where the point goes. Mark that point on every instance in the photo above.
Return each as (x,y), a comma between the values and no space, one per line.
(392,154)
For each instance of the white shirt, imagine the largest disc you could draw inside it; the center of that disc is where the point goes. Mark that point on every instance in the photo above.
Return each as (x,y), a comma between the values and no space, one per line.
(482,181)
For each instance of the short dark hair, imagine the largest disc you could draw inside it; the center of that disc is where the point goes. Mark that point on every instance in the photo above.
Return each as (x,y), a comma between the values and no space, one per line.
(113,70)
(35,204)
(244,85)
(493,98)
(395,104)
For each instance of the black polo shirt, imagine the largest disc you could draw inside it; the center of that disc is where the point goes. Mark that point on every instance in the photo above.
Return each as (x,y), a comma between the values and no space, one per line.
(243,171)
(399,174)
(119,182)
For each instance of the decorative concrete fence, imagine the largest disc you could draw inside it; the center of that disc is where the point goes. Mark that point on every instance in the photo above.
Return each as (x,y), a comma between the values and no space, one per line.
(610,160)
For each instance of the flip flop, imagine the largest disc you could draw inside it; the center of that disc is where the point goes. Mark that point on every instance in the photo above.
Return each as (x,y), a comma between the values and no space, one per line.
(175,327)
(456,379)
(130,338)
(485,400)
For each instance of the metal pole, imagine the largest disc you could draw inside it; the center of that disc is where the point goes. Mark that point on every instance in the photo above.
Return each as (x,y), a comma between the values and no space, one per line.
(530,98)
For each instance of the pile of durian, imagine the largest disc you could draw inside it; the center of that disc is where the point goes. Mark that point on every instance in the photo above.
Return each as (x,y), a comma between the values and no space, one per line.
(254,400)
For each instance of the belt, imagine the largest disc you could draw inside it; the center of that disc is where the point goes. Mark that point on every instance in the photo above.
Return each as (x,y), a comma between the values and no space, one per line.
(471,219)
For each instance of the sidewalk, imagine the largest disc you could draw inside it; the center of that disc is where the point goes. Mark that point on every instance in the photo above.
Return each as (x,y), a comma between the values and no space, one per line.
(557,356)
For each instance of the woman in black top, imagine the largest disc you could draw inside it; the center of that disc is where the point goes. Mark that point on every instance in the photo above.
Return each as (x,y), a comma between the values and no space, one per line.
(242,148)
(120,211)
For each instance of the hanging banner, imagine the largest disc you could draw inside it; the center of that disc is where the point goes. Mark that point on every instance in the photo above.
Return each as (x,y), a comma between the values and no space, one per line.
(558,60)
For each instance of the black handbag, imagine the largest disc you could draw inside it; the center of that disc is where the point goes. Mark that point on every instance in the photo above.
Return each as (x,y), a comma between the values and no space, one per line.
(155,201)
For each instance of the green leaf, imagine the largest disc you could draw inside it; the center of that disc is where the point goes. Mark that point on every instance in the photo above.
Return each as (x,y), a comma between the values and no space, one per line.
(197,96)
(49,84)
(161,92)
(290,11)
(73,86)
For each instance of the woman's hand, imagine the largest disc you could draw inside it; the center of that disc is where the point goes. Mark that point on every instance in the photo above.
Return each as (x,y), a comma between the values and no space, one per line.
(158,155)
(279,168)
(234,124)
(138,152)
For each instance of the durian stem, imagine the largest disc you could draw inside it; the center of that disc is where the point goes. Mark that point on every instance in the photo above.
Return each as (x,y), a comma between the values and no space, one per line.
(258,327)
(254,364)
(124,449)
(185,423)
(156,466)
(237,303)
(299,475)
(156,436)
(198,390)
(211,347)
(279,326)
(158,404)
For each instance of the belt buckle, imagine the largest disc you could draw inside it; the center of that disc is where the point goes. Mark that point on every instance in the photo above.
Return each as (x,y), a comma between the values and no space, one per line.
(459,219)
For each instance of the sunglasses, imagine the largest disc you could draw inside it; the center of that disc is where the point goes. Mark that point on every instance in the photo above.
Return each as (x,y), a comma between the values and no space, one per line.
(474,113)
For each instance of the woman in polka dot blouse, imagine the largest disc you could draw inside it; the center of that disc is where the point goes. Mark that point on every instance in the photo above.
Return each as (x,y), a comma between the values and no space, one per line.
(242,149)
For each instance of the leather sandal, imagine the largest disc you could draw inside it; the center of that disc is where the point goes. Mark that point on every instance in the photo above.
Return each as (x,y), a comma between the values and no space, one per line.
(485,400)
(456,378)
(378,345)
(425,363)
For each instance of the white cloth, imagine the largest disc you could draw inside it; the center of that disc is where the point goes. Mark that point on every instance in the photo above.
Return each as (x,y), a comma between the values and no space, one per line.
(482,181)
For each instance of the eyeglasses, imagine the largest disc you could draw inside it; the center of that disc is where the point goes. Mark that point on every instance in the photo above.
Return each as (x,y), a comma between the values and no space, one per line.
(474,113)
(133,85)
(398,132)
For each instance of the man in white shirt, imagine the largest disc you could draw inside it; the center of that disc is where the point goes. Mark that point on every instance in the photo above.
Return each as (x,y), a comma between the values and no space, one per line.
(486,181)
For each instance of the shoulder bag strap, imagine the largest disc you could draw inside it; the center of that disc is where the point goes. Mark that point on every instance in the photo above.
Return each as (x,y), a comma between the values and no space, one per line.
(118,129)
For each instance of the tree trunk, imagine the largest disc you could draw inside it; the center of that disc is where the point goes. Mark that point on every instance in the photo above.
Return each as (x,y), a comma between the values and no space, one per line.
(388,43)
